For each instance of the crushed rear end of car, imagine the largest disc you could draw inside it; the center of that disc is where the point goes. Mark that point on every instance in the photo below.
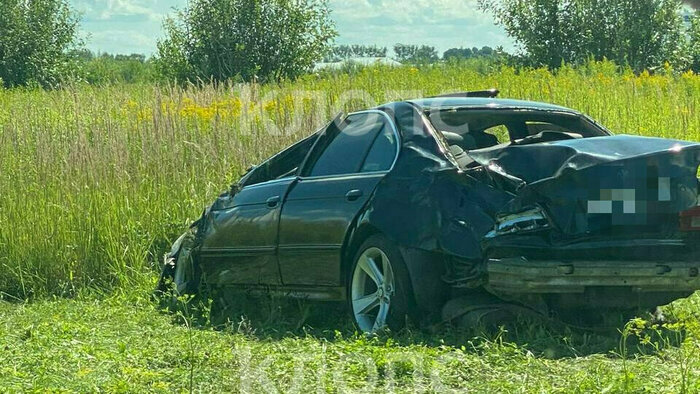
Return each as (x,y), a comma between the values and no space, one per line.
(606,222)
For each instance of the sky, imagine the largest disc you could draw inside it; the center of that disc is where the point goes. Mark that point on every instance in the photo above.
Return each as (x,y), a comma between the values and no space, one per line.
(134,26)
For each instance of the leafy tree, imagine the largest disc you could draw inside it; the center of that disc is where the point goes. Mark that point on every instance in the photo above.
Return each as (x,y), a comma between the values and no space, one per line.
(35,38)
(404,53)
(695,42)
(643,34)
(457,53)
(415,54)
(247,39)
(467,53)
(368,51)
(105,68)
(486,51)
(82,54)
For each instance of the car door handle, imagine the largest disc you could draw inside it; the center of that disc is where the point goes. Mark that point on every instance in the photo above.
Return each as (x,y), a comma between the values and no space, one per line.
(273,201)
(353,195)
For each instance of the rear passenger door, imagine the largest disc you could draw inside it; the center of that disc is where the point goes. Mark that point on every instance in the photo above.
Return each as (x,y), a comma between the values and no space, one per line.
(339,176)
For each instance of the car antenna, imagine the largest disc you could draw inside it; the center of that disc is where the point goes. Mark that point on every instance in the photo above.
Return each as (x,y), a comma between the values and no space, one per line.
(490,93)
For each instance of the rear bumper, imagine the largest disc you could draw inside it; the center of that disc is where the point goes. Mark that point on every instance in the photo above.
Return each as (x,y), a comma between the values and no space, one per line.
(520,275)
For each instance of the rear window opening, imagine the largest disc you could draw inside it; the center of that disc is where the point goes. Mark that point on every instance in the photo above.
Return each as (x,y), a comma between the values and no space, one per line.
(473,129)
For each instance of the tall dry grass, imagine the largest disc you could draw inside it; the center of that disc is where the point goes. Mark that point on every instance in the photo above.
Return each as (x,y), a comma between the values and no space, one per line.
(95,182)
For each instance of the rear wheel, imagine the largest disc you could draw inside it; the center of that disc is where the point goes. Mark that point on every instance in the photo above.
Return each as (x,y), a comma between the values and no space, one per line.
(379,289)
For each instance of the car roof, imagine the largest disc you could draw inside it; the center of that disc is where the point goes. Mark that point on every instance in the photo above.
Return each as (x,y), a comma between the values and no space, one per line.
(441,103)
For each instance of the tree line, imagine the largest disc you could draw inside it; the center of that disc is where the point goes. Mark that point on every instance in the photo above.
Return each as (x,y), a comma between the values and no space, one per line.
(274,40)
(344,52)
(409,54)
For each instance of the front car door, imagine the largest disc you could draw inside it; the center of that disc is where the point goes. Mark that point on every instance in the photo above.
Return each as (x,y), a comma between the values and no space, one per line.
(336,181)
(241,240)
(240,245)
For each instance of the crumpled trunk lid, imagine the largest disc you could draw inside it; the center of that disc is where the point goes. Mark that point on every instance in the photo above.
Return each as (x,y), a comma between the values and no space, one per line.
(602,187)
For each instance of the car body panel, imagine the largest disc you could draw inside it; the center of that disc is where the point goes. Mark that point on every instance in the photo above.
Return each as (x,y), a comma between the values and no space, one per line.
(241,239)
(319,210)
(522,275)
(482,102)
(540,162)
(620,189)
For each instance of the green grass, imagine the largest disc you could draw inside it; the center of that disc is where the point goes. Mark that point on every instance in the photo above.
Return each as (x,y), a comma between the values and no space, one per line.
(124,344)
(96,182)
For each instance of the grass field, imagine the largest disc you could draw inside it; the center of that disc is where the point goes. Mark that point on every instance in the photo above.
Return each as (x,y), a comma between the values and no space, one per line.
(123,344)
(97,181)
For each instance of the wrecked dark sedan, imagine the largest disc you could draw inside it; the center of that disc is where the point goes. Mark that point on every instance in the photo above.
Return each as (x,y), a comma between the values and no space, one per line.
(453,208)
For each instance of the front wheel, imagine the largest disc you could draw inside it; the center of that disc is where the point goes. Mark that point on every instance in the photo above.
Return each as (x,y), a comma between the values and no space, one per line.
(379,289)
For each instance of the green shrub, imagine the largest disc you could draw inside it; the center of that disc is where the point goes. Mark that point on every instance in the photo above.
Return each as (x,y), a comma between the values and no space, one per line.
(35,39)
(248,39)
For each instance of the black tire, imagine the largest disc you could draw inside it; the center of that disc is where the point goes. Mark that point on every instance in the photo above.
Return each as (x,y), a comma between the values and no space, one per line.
(401,305)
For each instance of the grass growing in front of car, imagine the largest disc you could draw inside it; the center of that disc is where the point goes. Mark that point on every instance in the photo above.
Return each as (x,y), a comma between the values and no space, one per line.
(122,343)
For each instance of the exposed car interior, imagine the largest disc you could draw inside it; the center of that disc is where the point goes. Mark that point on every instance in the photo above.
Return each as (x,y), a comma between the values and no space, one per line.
(473,129)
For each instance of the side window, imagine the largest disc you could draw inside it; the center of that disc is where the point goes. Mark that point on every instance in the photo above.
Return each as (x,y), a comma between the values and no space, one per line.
(347,149)
(282,164)
(383,152)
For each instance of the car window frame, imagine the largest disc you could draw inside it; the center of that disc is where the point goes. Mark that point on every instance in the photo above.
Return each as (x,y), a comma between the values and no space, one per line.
(305,166)
(439,139)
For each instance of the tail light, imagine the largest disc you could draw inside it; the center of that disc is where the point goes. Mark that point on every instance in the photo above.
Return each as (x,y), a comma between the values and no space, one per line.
(690,219)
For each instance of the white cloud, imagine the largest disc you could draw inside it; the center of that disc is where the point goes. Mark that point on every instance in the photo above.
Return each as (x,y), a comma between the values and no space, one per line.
(441,23)
(107,10)
(123,41)
(407,11)
(134,25)
(124,26)
(117,8)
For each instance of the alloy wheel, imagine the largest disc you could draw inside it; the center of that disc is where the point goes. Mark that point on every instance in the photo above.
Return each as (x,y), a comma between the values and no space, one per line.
(372,289)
